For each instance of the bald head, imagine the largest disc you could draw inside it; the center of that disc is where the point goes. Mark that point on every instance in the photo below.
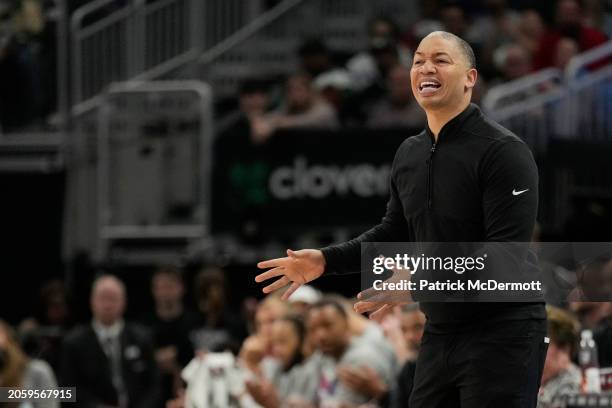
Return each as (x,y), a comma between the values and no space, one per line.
(464,48)
(107,299)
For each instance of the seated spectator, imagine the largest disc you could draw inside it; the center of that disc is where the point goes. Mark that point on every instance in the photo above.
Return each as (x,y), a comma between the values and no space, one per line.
(41,334)
(315,58)
(384,51)
(560,376)
(569,24)
(303,298)
(567,48)
(398,108)
(512,61)
(19,371)
(110,361)
(234,130)
(170,324)
(303,108)
(530,31)
(343,358)
(289,378)
(259,345)
(217,328)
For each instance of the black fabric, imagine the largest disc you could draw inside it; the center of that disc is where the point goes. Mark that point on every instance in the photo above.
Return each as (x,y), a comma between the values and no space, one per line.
(603,339)
(84,365)
(461,191)
(495,365)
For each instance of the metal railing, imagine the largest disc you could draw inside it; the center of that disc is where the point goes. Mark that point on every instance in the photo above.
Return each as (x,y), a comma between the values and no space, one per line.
(550,104)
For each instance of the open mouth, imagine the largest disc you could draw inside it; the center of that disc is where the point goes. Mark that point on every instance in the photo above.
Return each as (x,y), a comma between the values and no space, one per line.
(429,87)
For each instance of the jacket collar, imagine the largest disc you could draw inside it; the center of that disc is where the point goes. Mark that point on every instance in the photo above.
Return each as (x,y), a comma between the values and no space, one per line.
(450,128)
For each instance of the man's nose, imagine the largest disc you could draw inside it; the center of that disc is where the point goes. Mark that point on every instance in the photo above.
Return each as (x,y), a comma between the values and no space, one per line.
(427,67)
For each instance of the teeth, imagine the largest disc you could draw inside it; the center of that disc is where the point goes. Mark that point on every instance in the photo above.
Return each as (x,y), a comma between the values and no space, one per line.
(428,83)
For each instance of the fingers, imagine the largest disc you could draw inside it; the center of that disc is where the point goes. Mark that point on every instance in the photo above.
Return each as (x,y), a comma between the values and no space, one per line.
(379,314)
(294,286)
(364,307)
(279,283)
(272,263)
(278,271)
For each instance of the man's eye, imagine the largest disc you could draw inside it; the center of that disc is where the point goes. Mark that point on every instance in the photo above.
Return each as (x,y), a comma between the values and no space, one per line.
(418,62)
(441,61)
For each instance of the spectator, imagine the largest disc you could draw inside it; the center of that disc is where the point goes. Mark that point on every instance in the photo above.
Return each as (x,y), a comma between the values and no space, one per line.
(560,376)
(303,298)
(259,345)
(289,378)
(217,328)
(590,314)
(530,31)
(499,26)
(567,48)
(344,358)
(315,58)
(234,130)
(304,108)
(109,361)
(41,334)
(398,108)
(512,61)
(569,23)
(170,324)
(384,51)
(19,371)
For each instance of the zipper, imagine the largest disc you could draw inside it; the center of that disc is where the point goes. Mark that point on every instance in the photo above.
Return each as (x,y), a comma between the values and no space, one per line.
(430,175)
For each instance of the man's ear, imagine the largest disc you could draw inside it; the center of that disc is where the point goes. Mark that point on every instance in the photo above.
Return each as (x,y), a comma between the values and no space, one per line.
(472,76)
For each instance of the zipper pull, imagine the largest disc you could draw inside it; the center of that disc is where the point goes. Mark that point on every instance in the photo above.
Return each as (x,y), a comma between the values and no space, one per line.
(433,148)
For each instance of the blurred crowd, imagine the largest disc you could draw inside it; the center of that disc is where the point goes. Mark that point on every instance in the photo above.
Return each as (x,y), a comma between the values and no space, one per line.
(372,88)
(332,87)
(313,350)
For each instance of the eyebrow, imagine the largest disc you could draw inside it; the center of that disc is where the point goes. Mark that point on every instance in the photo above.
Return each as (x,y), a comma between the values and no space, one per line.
(435,54)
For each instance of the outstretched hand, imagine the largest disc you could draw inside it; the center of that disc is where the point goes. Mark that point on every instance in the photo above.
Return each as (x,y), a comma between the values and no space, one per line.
(380,303)
(296,269)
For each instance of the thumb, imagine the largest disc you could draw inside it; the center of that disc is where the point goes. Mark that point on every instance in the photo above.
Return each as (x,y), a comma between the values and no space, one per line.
(291,254)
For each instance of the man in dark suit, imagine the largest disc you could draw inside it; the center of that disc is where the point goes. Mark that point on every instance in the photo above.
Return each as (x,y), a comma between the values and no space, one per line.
(109,361)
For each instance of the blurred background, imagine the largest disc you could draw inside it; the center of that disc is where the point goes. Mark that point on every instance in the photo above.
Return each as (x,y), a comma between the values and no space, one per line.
(197,137)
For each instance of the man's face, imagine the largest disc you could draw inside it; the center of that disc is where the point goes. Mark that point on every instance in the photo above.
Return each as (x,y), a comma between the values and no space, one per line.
(167,288)
(107,302)
(299,94)
(328,330)
(441,77)
(413,325)
(285,341)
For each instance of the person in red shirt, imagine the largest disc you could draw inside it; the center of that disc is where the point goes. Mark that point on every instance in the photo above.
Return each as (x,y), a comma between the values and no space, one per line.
(569,24)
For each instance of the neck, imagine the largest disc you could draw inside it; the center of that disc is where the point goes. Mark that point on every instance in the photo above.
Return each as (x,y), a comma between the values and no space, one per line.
(562,365)
(167,311)
(437,118)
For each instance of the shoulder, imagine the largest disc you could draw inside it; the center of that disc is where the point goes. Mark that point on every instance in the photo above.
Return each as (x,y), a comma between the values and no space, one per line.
(491,132)
(137,332)
(78,334)
(39,372)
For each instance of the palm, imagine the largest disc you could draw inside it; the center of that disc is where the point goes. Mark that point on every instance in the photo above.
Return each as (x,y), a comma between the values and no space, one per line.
(297,268)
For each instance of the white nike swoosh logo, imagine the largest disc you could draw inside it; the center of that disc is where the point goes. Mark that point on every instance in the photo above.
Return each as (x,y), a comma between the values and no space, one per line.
(515,193)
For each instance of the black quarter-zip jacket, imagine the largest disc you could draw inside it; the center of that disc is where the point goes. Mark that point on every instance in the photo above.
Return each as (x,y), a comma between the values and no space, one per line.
(462,188)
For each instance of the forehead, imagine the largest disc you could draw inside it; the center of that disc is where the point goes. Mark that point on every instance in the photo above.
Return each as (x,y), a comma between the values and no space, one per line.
(436,45)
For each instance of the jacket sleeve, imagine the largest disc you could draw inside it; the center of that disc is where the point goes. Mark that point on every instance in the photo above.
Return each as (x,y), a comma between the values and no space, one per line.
(509,182)
(345,258)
